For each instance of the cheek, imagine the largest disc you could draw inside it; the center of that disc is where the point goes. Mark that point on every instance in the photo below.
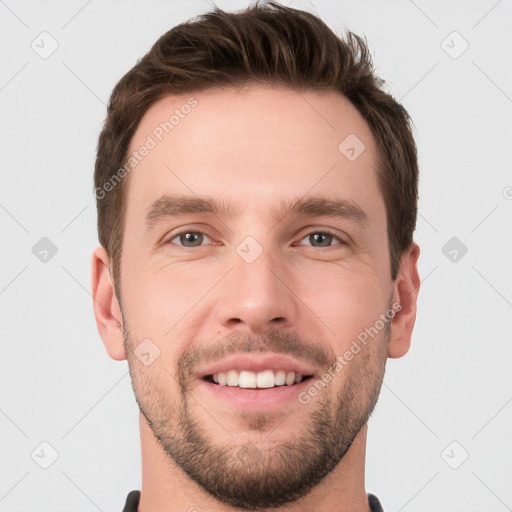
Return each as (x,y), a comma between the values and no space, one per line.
(158,300)
(336,300)
(347,300)
(161,306)
(157,392)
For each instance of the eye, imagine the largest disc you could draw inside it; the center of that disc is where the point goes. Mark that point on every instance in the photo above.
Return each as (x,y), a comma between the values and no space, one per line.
(322,238)
(189,239)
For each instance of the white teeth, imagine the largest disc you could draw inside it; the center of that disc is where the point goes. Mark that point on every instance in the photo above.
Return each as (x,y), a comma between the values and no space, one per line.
(263,379)
(247,379)
(290,378)
(232,378)
(280,378)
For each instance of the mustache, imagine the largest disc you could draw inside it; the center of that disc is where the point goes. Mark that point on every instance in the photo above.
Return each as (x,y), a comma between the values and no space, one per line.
(275,341)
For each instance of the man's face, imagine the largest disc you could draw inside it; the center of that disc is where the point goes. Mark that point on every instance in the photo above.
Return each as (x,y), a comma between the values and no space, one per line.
(257,287)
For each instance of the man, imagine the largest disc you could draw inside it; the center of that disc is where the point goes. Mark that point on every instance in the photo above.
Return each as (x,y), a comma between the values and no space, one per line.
(257,197)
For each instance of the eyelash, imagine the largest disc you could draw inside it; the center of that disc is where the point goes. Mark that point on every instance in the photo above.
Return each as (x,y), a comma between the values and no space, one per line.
(322,231)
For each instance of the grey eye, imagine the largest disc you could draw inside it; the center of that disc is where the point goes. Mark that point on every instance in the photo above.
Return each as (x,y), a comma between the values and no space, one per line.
(189,238)
(322,239)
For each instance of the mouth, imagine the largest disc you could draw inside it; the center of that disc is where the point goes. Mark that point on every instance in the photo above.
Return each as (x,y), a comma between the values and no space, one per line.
(265,379)
(256,382)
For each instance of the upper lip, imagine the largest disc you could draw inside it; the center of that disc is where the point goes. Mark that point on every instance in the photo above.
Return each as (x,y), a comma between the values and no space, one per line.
(257,363)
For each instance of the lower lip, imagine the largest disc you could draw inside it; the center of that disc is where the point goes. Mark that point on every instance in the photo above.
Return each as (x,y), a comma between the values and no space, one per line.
(256,399)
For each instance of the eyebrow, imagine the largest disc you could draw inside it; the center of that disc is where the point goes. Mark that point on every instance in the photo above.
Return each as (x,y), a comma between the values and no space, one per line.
(312,206)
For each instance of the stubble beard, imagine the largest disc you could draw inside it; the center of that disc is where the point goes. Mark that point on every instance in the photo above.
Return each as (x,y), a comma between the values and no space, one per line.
(242,474)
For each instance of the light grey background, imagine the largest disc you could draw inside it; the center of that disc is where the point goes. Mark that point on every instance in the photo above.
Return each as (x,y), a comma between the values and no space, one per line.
(58,384)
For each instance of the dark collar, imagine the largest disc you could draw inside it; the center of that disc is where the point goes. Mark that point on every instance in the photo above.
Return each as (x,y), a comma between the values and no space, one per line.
(133,498)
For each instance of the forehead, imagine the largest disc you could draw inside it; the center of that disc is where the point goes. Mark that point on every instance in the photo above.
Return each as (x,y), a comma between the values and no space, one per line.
(253,145)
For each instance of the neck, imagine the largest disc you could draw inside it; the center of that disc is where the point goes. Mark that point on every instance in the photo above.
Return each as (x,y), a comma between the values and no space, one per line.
(167,488)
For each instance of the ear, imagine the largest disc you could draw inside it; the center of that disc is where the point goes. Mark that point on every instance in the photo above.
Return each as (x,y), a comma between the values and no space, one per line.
(106,306)
(405,292)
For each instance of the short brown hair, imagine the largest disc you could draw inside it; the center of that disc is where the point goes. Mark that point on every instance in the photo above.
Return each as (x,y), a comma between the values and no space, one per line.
(263,44)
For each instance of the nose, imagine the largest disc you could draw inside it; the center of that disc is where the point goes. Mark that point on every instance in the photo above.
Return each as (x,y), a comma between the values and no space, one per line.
(257,296)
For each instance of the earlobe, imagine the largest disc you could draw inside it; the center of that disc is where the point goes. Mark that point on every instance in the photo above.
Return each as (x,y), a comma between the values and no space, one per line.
(106,306)
(406,289)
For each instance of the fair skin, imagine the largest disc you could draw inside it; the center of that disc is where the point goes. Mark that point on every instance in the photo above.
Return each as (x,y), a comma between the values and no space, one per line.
(306,297)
